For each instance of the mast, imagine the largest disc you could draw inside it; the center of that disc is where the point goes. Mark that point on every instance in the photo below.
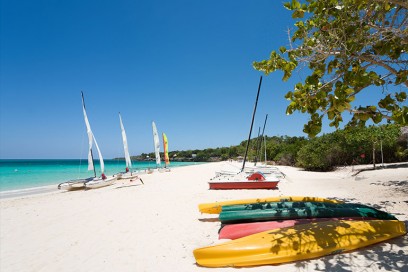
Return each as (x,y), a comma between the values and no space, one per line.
(92,163)
(262,139)
(90,137)
(265,147)
(252,123)
(257,146)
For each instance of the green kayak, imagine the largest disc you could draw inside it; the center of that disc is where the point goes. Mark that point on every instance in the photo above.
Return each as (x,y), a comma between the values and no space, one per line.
(287,205)
(311,211)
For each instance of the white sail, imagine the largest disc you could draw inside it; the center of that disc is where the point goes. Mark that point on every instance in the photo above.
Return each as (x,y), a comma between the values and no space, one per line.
(125,144)
(92,182)
(100,157)
(90,137)
(156,143)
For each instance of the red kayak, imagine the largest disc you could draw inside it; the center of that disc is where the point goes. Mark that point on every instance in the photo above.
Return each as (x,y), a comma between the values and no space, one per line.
(235,231)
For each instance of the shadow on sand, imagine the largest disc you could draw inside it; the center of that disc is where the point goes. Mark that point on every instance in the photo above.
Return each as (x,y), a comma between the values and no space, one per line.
(127,186)
(209,219)
(400,185)
(390,255)
(379,167)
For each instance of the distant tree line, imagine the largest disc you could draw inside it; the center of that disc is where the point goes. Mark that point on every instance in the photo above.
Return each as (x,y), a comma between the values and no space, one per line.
(359,145)
(354,145)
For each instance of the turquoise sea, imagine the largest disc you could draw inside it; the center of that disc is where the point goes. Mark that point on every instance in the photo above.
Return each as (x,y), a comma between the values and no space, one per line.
(24,174)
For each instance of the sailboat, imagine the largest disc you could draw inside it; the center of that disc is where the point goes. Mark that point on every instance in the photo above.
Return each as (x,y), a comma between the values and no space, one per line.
(91,182)
(240,180)
(128,174)
(166,153)
(156,146)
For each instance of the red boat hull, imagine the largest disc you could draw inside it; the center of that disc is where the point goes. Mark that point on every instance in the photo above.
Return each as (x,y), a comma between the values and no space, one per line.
(232,185)
(235,231)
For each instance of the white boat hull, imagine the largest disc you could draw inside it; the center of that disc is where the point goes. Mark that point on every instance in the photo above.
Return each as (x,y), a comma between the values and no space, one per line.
(98,183)
(74,184)
(128,175)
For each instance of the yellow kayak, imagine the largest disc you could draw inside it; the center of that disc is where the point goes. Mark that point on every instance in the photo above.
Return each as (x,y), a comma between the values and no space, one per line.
(299,243)
(215,207)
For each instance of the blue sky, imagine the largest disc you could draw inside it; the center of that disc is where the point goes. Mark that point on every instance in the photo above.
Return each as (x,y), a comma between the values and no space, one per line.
(187,65)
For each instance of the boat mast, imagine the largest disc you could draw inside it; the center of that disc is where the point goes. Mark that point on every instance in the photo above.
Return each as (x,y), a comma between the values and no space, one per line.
(257,146)
(262,139)
(265,147)
(94,164)
(83,103)
(252,123)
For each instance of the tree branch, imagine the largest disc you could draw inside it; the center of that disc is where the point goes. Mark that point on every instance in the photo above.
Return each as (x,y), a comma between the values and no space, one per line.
(395,2)
(382,64)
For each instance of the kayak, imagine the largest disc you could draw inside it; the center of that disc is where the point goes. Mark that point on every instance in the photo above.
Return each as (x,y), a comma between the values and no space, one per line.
(287,205)
(299,242)
(215,207)
(235,231)
(245,216)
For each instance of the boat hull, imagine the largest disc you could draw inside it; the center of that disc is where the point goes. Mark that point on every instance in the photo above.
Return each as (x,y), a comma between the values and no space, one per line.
(300,242)
(73,185)
(127,175)
(215,207)
(235,185)
(163,170)
(99,183)
(236,231)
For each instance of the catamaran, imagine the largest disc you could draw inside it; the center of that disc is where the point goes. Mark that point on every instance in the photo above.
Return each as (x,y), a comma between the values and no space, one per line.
(91,182)
(254,179)
(128,174)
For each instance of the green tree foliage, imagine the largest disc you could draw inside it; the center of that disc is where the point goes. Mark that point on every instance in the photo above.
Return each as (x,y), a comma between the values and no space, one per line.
(349,46)
(352,146)
(283,150)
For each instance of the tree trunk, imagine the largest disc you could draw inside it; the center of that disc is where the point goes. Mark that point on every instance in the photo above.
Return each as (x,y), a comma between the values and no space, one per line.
(374,155)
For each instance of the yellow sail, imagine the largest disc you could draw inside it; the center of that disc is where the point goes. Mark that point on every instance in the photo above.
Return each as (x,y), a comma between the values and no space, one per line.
(166,149)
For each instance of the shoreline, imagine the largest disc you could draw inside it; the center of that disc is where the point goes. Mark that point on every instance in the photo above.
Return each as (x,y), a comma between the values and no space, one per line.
(28,191)
(156,226)
(25,190)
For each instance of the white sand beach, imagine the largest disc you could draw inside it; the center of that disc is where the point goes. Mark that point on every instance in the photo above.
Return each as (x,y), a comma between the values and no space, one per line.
(156,226)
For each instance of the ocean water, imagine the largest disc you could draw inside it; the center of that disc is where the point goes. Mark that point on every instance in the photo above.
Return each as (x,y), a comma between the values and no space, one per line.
(24,174)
